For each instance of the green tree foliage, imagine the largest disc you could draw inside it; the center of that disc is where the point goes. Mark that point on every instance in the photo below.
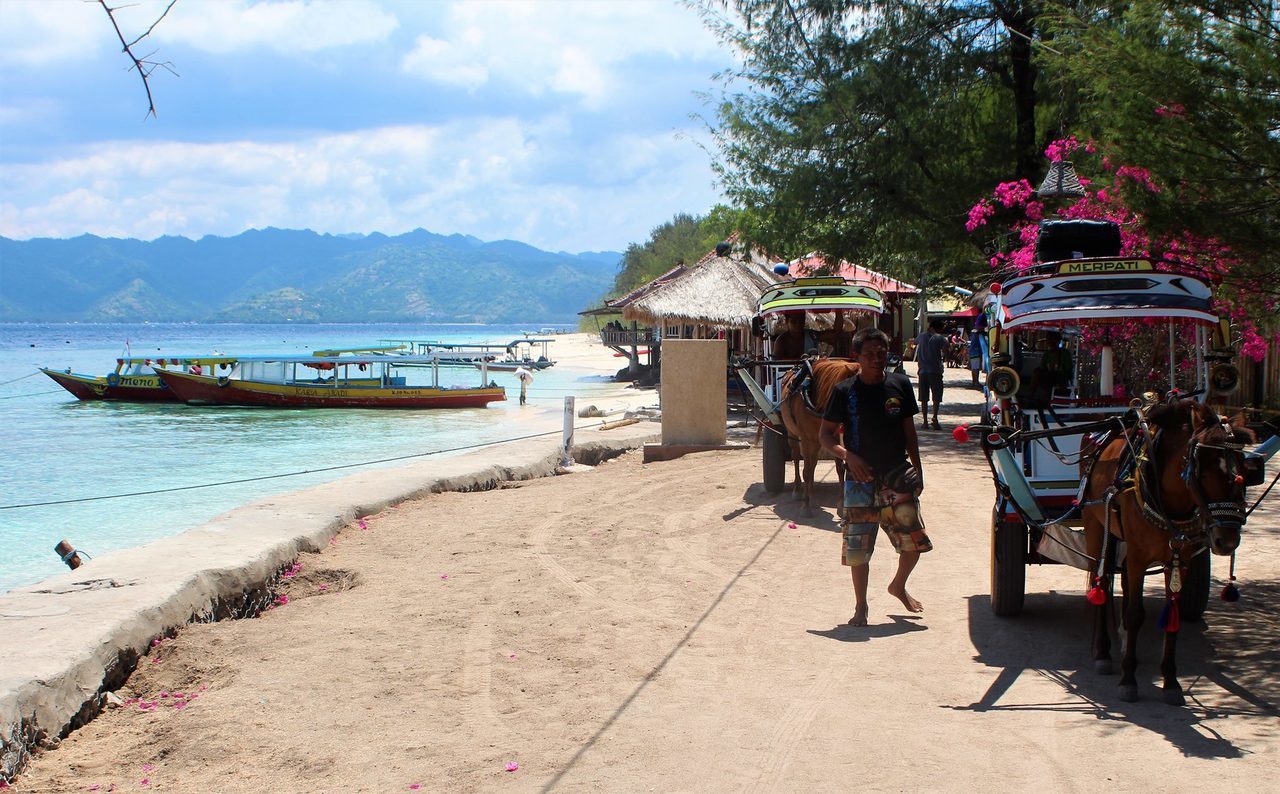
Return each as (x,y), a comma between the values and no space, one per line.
(867,129)
(1191,92)
(683,239)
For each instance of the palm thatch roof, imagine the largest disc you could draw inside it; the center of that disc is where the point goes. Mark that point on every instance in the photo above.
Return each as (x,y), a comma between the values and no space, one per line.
(718,292)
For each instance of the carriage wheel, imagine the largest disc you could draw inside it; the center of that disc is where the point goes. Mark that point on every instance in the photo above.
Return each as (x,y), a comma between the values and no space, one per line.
(1008,563)
(1195,588)
(777,452)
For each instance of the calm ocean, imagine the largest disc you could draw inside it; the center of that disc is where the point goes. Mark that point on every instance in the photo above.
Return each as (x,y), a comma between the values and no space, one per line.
(56,448)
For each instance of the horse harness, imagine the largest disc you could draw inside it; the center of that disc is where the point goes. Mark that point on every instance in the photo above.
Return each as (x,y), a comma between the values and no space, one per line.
(1137,474)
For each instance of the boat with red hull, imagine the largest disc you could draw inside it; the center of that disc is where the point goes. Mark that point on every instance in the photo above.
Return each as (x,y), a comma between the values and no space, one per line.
(376,381)
(134,378)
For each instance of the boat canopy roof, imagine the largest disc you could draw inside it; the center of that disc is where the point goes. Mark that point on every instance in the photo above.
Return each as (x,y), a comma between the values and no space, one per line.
(821,294)
(1078,292)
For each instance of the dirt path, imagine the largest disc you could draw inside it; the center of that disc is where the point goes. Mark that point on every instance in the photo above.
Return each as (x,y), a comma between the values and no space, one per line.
(672,627)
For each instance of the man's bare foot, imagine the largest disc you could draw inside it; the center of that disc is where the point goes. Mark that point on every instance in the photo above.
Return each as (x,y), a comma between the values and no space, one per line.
(899,592)
(859,617)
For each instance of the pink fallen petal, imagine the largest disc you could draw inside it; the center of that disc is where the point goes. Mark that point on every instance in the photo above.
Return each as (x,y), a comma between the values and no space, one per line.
(333,541)
(363,524)
(444,576)
(148,767)
(203,687)
(415,786)
(324,587)
(146,781)
(791,525)
(513,656)
(513,766)
(155,660)
(95,787)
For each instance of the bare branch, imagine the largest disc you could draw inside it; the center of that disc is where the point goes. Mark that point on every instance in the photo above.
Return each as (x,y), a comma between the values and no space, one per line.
(143,65)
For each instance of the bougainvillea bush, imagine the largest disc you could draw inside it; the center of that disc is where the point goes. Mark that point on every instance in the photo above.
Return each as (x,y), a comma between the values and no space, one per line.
(1009,218)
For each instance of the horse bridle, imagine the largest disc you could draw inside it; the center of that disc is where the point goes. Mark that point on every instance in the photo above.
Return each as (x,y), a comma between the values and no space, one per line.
(1215,514)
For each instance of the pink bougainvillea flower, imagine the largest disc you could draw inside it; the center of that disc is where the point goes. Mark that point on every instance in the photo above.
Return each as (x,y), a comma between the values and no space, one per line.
(148,767)
(282,600)
(363,524)
(791,525)
(415,786)
(146,781)
(513,656)
(444,576)
(513,766)
(333,541)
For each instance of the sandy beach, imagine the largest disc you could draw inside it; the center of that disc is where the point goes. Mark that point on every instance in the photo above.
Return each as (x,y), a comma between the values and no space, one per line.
(672,627)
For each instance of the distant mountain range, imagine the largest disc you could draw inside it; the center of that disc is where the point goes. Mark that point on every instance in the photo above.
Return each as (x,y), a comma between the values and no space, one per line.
(279,275)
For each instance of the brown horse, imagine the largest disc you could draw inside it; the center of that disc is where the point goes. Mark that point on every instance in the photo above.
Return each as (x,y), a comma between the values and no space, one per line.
(1180,494)
(803,422)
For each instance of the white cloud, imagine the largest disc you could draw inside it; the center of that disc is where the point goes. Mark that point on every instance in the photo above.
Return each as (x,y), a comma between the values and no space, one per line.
(54,31)
(577,48)
(484,177)
(289,26)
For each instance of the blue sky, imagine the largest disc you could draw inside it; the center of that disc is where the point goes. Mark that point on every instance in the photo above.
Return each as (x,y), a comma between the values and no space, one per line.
(567,125)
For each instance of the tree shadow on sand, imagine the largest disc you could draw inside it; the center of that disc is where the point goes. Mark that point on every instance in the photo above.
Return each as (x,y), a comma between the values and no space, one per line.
(1228,665)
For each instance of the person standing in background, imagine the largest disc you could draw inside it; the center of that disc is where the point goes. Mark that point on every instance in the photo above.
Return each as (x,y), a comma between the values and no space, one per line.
(525,377)
(931,348)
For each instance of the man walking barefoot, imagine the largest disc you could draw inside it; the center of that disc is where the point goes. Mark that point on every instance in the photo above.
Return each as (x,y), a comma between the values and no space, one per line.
(880,489)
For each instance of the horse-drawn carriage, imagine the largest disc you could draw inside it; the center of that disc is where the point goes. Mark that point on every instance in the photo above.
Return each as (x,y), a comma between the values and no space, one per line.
(808,324)
(1099,473)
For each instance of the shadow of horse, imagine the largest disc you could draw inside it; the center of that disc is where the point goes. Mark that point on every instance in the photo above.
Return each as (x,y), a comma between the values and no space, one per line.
(1232,663)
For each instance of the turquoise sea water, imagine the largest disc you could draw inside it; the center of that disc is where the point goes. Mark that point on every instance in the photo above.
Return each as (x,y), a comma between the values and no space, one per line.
(54,448)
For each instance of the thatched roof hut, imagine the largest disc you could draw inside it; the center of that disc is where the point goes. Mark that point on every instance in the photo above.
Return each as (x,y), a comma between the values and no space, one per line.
(719,292)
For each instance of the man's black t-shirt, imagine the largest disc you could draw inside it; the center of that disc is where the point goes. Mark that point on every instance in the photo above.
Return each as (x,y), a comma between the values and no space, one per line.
(872,415)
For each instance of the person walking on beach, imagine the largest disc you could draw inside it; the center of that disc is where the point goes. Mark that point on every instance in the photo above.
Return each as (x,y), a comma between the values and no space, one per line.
(931,347)
(883,482)
(525,377)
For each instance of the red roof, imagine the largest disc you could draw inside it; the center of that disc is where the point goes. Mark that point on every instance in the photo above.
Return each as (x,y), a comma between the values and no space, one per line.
(806,265)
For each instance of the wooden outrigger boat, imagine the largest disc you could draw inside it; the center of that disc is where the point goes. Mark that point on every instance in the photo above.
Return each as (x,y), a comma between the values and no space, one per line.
(134,378)
(348,381)
(532,353)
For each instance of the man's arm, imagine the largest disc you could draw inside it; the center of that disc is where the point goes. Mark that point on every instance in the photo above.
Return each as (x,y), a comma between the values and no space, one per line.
(913,446)
(829,437)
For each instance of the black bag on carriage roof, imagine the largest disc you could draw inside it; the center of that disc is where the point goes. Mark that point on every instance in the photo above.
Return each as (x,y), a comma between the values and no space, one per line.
(1073,239)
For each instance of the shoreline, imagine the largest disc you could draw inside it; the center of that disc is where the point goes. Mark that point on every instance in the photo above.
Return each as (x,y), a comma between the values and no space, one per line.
(72,637)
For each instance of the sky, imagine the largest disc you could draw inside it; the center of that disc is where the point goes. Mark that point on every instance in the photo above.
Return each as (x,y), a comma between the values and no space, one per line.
(571,125)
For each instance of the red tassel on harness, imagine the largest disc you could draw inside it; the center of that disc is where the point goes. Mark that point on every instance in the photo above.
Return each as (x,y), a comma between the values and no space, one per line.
(1097,596)
(1169,620)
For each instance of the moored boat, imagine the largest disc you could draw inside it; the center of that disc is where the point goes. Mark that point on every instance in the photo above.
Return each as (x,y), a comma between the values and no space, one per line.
(134,379)
(528,353)
(355,381)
